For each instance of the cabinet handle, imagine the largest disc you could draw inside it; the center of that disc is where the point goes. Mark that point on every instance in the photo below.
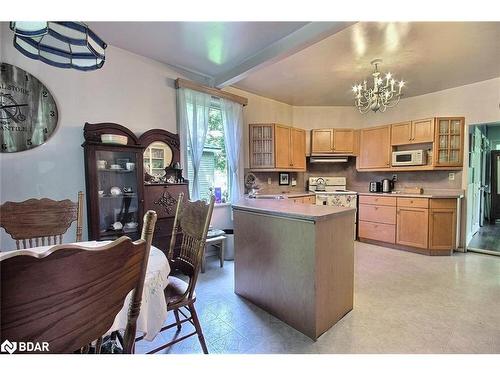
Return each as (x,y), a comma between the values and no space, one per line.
(376,208)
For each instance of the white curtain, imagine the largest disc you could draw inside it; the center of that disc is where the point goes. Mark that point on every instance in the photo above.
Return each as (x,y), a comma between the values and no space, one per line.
(232,119)
(193,126)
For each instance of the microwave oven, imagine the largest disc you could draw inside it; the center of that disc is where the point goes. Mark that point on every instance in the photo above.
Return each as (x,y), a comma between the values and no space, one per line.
(411,157)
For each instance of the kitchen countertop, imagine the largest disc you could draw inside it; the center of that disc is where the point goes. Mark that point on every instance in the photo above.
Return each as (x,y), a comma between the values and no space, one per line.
(429,194)
(287,195)
(288,209)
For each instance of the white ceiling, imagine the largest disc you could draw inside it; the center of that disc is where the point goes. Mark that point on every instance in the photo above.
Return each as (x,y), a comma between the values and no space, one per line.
(428,56)
(208,48)
(315,63)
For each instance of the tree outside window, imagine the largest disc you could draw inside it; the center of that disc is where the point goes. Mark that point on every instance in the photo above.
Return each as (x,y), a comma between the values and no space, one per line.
(213,169)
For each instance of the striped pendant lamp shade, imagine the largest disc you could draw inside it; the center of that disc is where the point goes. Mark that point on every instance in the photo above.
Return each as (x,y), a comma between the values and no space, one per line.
(61,44)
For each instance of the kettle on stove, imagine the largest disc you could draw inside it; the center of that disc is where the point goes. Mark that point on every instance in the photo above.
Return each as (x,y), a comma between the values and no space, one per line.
(320,184)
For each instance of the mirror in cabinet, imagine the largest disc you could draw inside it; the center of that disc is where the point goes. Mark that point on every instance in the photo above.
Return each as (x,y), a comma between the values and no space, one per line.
(162,182)
(114,175)
(157,156)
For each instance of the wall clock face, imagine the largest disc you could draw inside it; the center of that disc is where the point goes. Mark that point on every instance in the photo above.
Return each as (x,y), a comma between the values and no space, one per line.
(28,112)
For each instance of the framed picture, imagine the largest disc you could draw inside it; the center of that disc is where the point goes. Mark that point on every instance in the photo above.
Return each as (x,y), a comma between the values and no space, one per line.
(284,178)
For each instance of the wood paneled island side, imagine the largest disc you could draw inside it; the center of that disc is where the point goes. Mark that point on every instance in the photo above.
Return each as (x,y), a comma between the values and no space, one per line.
(296,261)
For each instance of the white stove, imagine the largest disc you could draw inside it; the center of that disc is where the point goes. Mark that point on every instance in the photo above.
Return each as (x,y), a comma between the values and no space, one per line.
(329,185)
(332,191)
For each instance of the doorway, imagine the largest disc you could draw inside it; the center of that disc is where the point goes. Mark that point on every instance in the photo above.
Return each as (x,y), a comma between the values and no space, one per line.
(483,189)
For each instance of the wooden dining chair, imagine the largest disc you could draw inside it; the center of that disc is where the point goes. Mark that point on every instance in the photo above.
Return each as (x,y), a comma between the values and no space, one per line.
(69,295)
(192,220)
(40,222)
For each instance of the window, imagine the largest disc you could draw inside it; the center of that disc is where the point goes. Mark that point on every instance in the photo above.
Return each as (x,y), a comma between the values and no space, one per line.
(213,173)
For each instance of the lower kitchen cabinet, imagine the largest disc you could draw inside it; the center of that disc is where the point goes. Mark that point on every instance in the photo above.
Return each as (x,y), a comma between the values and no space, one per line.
(377,231)
(423,225)
(442,224)
(412,227)
(308,199)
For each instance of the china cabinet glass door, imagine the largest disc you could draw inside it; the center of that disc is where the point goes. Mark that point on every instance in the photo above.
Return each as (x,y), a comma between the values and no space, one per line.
(449,142)
(117,186)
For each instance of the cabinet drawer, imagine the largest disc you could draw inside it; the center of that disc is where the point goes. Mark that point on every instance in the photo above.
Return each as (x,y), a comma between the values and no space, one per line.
(377,214)
(378,232)
(381,201)
(413,202)
(443,203)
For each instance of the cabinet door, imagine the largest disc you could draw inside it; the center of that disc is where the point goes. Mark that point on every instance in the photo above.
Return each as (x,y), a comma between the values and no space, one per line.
(412,227)
(322,141)
(442,227)
(401,133)
(375,147)
(449,141)
(282,146)
(422,131)
(343,141)
(261,138)
(298,149)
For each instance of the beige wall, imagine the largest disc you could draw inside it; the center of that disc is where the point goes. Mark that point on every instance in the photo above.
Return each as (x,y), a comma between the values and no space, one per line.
(261,110)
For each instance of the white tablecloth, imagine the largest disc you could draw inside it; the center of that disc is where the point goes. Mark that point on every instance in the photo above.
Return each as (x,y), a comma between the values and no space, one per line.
(153,307)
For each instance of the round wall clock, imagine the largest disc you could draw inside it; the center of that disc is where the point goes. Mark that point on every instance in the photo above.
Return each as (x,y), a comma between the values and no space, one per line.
(28,111)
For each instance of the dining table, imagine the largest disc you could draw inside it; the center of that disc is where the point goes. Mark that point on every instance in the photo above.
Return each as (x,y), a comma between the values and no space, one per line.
(153,311)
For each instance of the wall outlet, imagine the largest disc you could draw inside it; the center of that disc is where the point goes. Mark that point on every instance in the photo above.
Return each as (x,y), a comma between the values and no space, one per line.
(394,177)
(269,181)
(451,176)
(294,182)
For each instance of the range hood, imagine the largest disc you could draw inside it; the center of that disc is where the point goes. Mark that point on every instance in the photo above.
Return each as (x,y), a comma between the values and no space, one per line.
(328,159)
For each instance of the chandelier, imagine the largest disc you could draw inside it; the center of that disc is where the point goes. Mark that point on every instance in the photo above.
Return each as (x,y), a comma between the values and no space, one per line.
(381,96)
(61,44)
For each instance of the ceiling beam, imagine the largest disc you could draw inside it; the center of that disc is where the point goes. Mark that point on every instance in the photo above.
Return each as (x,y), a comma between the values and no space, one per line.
(307,35)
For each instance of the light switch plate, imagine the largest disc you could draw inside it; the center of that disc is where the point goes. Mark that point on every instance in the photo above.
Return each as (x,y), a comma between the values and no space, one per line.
(294,182)
(451,176)
(269,181)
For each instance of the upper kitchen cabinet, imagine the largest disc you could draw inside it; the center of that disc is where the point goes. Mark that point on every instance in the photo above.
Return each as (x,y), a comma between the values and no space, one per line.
(449,141)
(422,131)
(418,131)
(283,149)
(261,145)
(374,148)
(277,147)
(322,141)
(298,149)
(333,141)
(401,133)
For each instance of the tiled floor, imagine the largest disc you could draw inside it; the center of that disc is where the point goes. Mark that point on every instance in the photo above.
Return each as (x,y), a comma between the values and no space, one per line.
(404,303)
(487,238)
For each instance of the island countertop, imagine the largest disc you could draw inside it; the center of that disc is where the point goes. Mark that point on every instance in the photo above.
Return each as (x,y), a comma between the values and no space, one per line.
(286,208)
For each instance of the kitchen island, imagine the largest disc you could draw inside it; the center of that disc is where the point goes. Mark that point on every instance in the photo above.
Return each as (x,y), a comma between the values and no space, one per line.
(296,261)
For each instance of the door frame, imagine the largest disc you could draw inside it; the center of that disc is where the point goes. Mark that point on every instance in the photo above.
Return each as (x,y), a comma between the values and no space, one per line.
(470,202)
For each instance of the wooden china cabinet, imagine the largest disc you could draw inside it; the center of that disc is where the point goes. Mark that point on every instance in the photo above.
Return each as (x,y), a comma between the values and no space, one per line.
(114,182)
(163,182)
(125,181)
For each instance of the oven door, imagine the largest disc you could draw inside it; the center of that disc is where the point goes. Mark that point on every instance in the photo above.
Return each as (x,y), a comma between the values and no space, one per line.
(321,199)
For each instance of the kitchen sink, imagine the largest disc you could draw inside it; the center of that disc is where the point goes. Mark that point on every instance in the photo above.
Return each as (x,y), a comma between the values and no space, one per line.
(268,196)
